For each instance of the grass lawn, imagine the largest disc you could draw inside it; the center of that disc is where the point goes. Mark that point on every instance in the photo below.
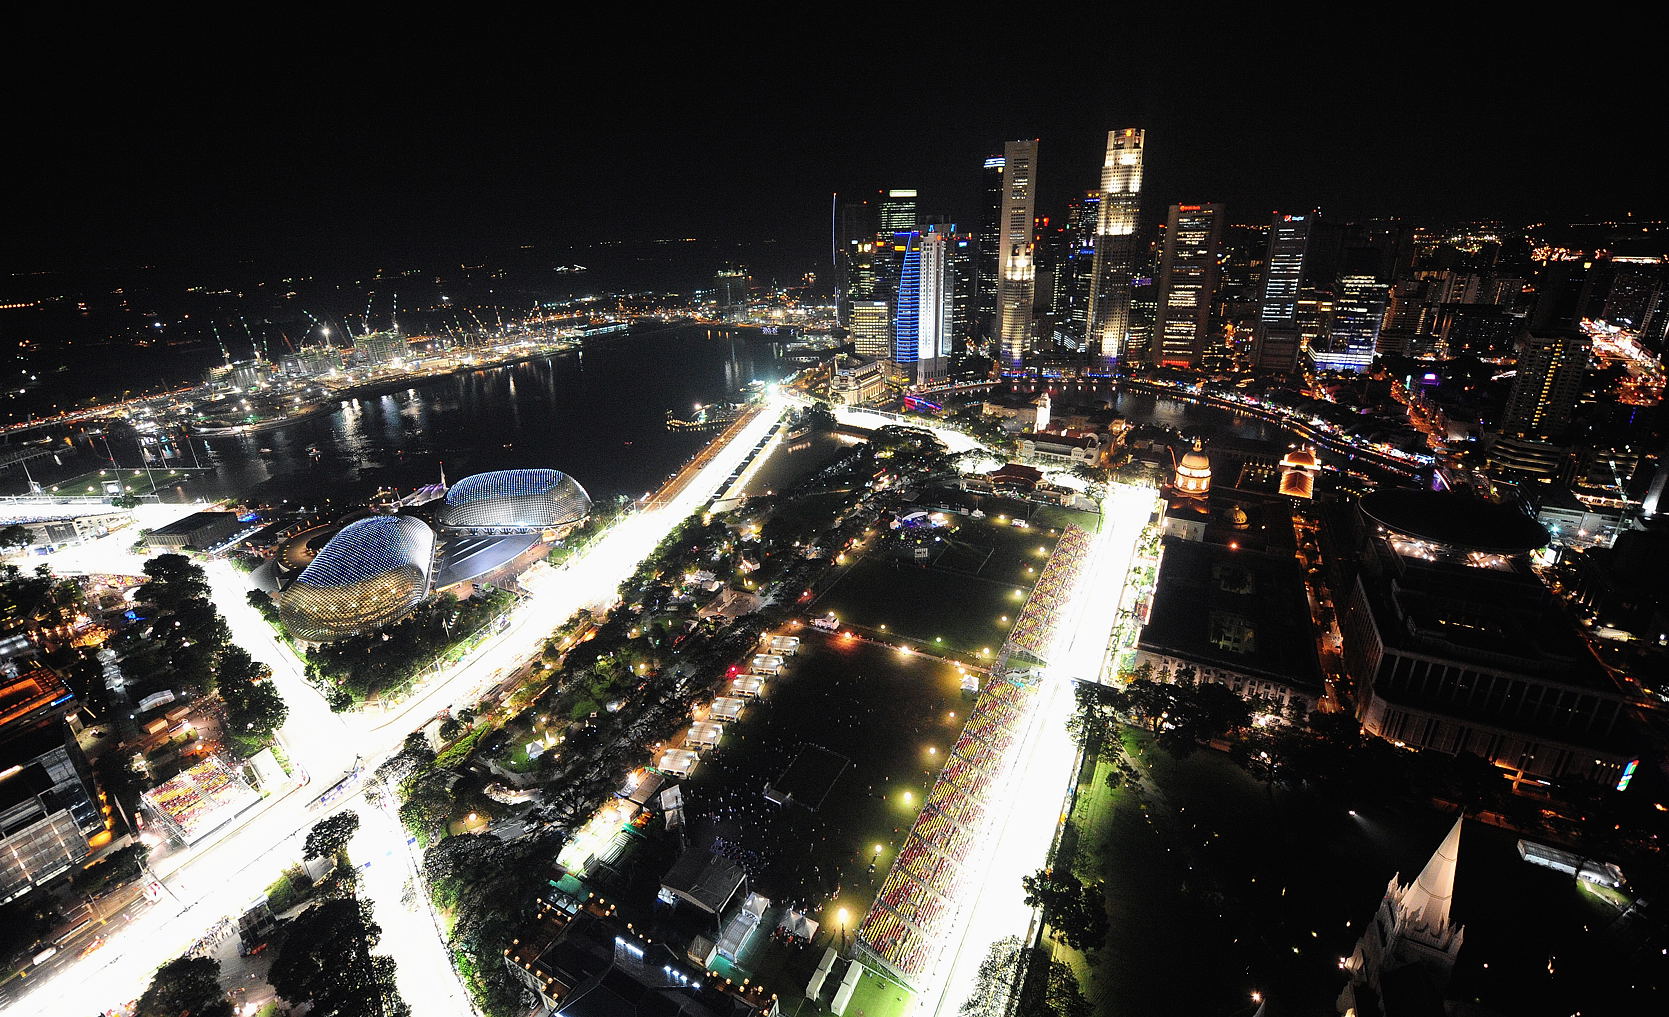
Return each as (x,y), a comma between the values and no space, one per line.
(941,609)
(966,600)
(875,996)
(1218,885)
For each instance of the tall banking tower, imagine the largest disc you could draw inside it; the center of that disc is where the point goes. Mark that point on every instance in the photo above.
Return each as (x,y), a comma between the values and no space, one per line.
(1188,277)
(1115,246)
(1016,252)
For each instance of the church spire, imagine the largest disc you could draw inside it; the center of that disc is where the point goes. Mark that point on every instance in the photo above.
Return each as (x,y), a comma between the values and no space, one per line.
(1428,899)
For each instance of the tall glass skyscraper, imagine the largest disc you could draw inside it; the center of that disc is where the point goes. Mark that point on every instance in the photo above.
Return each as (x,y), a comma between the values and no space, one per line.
(1358,312)
(989,239)
(1188,282)
(922,322)
(1115,245)
(1016,252)
(1277,343)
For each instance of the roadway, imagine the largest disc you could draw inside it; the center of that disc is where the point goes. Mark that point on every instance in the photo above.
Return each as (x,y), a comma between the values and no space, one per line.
(232,867)
(1028,808)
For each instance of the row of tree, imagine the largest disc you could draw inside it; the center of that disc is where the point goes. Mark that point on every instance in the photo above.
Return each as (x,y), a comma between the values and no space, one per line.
(182,640)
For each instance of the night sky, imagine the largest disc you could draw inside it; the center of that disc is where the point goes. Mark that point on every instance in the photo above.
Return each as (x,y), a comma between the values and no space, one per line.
(305,147)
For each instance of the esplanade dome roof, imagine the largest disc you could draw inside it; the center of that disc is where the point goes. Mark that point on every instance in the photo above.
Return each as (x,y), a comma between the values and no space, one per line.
(514,501)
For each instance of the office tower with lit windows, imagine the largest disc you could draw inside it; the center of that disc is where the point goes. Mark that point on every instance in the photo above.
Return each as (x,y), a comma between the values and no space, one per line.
(1352,338)
(1116,245)
(1075,270)
(964,262)
(871,328)
(1016,252)
(897,213)
(1277,336)
(921,333)
(988,238)
(1547,385)
(855,229)
(1188,274)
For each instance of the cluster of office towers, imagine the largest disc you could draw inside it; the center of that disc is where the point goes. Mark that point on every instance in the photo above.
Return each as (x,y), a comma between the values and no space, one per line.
(1096,289)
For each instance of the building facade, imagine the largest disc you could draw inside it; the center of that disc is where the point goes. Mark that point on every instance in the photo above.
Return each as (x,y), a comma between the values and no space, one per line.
(1188,276)
(1017,253)
(1547,385)
(1353,333)
(1116,246)
(1277,342)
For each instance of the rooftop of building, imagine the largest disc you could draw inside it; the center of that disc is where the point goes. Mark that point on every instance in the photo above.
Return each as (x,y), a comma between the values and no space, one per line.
(708,880)
(1247,520)
(1455,521)
(188,525)
(1495,618)
(595,967)
(29,697)
(1240,610)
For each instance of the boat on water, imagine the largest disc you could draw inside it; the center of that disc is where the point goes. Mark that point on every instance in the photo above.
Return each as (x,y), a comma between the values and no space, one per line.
(266,451)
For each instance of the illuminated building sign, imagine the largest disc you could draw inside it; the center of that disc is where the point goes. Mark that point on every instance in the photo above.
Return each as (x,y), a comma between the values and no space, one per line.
(1628,774)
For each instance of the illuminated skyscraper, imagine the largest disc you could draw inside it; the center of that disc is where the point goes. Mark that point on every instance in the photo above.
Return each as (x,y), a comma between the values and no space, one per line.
(989,239)
(1116,245)
(1277,343)
(1016,252)
(922,323)
(1075,274)
(1358,312)
(871,326)
(897,214)
(1187,282)
(964,259)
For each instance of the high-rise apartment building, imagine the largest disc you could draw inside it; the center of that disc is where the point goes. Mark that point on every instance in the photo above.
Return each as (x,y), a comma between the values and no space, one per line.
(1188,283)
(1016,252)
(1547,385)
(1116,245)
(989,238)
(1278,338)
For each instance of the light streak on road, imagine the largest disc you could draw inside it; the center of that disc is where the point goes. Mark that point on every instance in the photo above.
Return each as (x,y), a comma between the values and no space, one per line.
(1023,823)
(233,867)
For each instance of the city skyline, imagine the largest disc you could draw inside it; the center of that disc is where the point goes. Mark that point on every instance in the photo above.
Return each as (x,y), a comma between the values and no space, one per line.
(694,517)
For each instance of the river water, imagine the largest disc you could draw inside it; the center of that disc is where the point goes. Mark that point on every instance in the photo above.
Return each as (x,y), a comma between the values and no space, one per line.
(598,415)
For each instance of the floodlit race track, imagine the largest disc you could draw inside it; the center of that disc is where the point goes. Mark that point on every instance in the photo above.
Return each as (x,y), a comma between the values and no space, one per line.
(233,867)
(1027,809)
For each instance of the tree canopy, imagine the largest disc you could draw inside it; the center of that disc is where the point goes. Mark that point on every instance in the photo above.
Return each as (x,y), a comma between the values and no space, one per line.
(185,987)
(1075,911)
(330,835)
(326,961)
